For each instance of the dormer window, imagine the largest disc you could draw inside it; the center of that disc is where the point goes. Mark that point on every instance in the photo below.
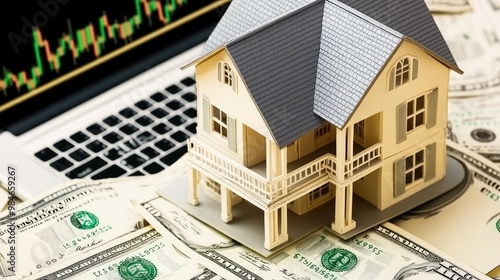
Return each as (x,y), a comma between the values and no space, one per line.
(226,74)
(404,71)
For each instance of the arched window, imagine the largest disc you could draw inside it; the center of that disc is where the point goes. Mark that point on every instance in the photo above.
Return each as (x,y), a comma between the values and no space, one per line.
(401,73)
(226,75)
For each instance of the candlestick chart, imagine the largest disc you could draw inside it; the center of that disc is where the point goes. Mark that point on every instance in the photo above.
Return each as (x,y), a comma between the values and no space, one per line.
(55,56)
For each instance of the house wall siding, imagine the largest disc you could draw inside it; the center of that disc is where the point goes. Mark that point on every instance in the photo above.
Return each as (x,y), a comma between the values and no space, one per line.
(431,74)
(237,104)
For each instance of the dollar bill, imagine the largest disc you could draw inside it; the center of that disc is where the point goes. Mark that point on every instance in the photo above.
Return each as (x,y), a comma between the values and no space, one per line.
(473,38)
(143,254)
(448,6)
(468,227)
(67,221)
(473,122)
(385,252)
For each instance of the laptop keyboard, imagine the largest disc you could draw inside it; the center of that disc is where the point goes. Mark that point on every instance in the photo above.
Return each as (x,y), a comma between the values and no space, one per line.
(143,138)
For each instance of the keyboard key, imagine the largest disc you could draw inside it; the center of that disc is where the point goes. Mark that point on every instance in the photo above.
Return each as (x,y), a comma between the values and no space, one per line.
(150,152)
(162,128)
(144,120)
(174,156)
(113,153)
(95,129)
(127,112)
(159,113)
(180,136)
(112,120)
(136,173)
(177,120)
(175,105)
(79,155)
(45,154)
(164,144)
(79,137)
(189,97)
(114,171)
(173,89)
(133,161)
(145,137)
(63,145)
(190,113)
(158,97)
(61,164)
(153,168)
(191,128)
(112,137)
(96,146)
(128,129)
(86,168)
(131,144)
(143,104)
(188,81)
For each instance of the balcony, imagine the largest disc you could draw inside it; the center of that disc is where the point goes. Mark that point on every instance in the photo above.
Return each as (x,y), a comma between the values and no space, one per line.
(255,187)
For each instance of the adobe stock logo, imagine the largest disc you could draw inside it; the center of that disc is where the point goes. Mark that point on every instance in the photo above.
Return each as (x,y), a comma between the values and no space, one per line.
(40,18)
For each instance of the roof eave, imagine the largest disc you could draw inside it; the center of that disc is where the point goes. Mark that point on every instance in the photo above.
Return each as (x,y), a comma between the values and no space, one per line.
(203,57)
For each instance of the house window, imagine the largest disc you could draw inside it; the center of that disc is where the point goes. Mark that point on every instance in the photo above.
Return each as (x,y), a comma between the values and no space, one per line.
(414,168)
(213,185)
(403,71)
(321,131)
(319,193)
(219,122)
(415,112)
(225,74)
(228,75)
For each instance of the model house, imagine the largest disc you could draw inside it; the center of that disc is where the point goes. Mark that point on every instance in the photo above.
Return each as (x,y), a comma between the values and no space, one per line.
(321,101)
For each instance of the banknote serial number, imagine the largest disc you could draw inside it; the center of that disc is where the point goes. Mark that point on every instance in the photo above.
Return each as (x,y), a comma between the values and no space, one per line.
(11,179)
(368,246)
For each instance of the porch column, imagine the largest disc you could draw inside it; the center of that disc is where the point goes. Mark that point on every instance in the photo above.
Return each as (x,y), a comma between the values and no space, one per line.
(350,148)
(343,210)
(226,204)
(193,186)
(275,227)
(341,154)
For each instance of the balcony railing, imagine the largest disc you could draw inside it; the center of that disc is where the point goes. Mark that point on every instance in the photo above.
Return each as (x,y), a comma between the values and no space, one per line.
(247,181)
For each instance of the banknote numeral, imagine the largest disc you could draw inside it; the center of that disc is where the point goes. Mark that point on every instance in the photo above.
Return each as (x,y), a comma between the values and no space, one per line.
(368,246)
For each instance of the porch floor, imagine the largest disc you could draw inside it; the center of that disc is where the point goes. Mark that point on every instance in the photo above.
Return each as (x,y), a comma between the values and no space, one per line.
(247,226)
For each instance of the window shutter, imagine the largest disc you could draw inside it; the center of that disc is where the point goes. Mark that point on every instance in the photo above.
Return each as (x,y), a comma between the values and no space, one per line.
(401,123)
(234,80)
(399,177)
(414,70)
(392,76)
(432,108)
(430,162)
(206,114)
(219,71)
(231,133)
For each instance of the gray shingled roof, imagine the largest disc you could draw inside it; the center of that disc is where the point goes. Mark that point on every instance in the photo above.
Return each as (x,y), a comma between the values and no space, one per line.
(285,55)
(240,19)
(278,64)
(361,49)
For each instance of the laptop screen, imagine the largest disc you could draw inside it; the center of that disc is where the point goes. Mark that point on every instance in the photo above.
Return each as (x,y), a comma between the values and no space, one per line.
(54,50)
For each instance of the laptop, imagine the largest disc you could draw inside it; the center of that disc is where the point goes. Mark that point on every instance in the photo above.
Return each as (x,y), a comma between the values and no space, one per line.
(95,90)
